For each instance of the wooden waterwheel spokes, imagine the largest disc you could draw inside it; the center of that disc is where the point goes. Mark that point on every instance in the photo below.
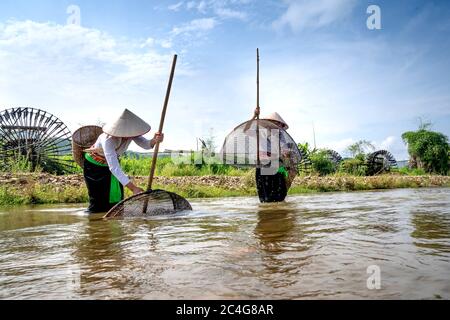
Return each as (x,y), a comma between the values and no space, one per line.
(380,162)
(34,137)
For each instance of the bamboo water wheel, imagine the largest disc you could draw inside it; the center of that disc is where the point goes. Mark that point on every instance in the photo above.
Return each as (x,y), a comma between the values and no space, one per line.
(334,157)
(36,138)
(380,162)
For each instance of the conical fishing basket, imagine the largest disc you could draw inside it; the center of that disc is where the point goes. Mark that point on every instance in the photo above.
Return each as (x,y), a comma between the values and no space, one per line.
(276,146)
(83,139)
(151,203)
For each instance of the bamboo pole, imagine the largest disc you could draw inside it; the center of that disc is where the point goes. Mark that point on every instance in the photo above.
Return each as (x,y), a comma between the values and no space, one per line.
(161,127)
(258,160)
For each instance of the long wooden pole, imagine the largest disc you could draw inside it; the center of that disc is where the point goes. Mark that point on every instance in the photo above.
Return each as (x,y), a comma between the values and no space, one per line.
(258,160)
(161,127)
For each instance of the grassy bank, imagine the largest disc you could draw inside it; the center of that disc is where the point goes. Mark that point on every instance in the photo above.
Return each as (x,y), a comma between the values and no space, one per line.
(24,189)
(356,183)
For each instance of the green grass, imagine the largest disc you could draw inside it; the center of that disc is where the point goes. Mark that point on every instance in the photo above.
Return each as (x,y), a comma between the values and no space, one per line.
(340,182)
(35,193)
(410,172)
(41,194)
(165,167)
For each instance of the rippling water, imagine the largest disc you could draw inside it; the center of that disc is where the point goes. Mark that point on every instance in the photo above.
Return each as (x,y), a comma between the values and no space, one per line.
(312,246)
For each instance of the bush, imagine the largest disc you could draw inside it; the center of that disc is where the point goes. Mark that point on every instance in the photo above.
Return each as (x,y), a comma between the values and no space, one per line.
(321,163)
(429,150)
(353,166)
(411,172)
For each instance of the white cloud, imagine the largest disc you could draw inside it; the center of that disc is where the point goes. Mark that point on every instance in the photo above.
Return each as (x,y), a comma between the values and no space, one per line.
(387,143)
(395,146)
(201,7)
(78,74)
(304,14)
(197,26)
(222,9)
(190,5)
(339,145)
(150,42)
(83,75)
(165,43)
(176,6)
(226,13)
(77,50)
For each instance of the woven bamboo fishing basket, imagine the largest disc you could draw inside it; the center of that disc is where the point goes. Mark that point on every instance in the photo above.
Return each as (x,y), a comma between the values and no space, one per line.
(83,139)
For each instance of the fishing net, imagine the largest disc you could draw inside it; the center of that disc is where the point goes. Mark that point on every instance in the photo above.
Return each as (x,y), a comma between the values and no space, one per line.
(276,147)
(151,203)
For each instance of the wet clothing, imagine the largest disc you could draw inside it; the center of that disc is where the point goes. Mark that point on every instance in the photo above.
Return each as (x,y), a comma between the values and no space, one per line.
(274,188)
(104,190)
(103,175)
(271,188)
(111,148)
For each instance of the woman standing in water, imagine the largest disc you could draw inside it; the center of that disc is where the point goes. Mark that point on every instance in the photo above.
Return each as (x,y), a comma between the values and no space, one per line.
(103,175)
(274,188)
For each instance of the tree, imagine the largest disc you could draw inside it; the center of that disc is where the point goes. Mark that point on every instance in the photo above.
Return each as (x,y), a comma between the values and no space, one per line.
(317,160)
(321,162)
(305,149)
(428,150)
(359,149)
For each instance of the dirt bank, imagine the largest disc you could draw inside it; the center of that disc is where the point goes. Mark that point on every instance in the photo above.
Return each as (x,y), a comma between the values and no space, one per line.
(238,183)
(231,182)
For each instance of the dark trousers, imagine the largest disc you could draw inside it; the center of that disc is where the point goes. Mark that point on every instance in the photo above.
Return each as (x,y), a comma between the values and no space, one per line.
(271,188)
(98,182)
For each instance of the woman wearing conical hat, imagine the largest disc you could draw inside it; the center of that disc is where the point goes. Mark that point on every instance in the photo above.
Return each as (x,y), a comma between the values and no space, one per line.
(104,177)
(274,188)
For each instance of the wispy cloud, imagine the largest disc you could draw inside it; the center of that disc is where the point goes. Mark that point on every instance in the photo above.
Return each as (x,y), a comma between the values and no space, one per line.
(79,70)
(226,13)
(175,6)
(211,12)
(222,9)
(200,6)
(195,27)
(77,49)
(313,14)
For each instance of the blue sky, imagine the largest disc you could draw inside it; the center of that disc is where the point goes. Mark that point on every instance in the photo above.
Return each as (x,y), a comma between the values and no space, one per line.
(319,64)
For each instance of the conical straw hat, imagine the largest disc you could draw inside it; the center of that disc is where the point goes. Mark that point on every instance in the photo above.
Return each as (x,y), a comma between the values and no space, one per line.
(276,117)
(128,125)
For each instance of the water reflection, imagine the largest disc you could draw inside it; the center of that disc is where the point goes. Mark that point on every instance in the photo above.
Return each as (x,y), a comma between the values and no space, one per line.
(274,226)
(282,244)
(431,230)
(98,253)
(311,246)
(112,257)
